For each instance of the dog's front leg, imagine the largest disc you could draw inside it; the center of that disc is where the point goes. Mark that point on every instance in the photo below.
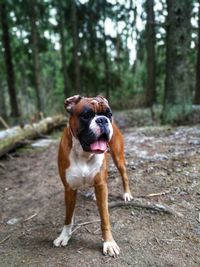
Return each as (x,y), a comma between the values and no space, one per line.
(70,201)
(110,247)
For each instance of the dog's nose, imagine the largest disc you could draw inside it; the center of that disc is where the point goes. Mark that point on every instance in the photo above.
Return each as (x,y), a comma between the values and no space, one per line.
(101,121)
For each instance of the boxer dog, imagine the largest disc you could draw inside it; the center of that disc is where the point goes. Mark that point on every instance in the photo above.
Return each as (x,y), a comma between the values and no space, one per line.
(83,160)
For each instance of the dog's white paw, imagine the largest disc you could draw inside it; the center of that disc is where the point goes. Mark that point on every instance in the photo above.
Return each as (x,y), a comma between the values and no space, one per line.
(111,248)
(94,197)
(64,237)
(127,197)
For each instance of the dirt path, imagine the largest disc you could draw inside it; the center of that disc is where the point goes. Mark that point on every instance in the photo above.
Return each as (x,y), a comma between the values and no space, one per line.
(158,160)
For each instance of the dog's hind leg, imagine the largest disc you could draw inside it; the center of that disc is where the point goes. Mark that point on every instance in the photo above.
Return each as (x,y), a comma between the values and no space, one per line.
(116,146)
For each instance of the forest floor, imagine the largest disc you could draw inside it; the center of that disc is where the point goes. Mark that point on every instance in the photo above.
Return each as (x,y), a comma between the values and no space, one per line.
(159,159)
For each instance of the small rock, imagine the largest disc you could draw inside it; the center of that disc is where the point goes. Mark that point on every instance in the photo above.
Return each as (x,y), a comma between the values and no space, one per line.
(13,221)
(172,198)
(197,230)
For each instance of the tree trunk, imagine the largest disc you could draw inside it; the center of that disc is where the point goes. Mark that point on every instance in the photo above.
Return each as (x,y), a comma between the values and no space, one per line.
(178,99)
(35,53)
(150,45)
(3,112)
(75,47)
(197,87)
(106,70)
(15,137)
(62,50)
(105,60)
(8,61)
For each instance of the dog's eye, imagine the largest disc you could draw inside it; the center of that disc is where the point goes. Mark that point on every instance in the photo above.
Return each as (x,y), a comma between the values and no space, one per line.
(87,115)
(109,115)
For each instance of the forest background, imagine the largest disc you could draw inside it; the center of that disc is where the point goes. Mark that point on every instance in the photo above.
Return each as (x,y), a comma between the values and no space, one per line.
(135,53)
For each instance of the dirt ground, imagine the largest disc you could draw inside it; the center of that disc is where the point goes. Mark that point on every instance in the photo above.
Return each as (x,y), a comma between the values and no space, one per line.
(159,159)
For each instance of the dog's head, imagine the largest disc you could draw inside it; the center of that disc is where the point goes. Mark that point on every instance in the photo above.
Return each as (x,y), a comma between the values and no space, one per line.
(90,122)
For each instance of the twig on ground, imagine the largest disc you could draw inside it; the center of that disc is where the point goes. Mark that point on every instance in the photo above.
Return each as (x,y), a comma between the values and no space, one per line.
(137,204)
(75,229)
(88,230)
(80,250)
(6,238)
(2,165)
(145,205)
(82,224)
(155,194)
(85,223)
(31,217)
(96,231)
(9,156)
(172,240)
(108,260)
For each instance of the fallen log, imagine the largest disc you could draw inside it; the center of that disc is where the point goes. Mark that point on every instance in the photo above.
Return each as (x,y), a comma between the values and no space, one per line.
(17,136)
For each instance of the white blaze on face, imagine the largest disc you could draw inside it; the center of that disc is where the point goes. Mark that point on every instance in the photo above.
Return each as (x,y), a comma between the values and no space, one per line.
(100,145)
(96,128)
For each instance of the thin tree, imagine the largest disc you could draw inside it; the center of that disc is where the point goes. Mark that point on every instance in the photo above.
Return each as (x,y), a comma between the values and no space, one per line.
(35,52)
(8,61)
(105,57)
(60,10)
(3,112)
(178,99)
(197,87)
(106,67)
(75,47)
(150,46)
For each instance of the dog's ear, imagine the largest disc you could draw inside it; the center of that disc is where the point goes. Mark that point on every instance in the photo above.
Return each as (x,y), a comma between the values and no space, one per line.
(71,102)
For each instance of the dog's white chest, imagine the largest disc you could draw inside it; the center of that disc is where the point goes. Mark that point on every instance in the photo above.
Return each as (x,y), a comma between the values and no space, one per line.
(82,169)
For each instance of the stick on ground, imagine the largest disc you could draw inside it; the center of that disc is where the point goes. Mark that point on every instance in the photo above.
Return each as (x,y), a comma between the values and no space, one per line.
(82,224)
(137,204)
(31,217)
(145,205)
(6,238)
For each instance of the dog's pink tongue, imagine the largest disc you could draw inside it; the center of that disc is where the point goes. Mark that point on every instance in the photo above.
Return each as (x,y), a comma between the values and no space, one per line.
(98,146)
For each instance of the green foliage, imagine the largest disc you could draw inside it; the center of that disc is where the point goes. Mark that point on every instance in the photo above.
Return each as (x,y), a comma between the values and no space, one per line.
(176,113)
(104,57)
